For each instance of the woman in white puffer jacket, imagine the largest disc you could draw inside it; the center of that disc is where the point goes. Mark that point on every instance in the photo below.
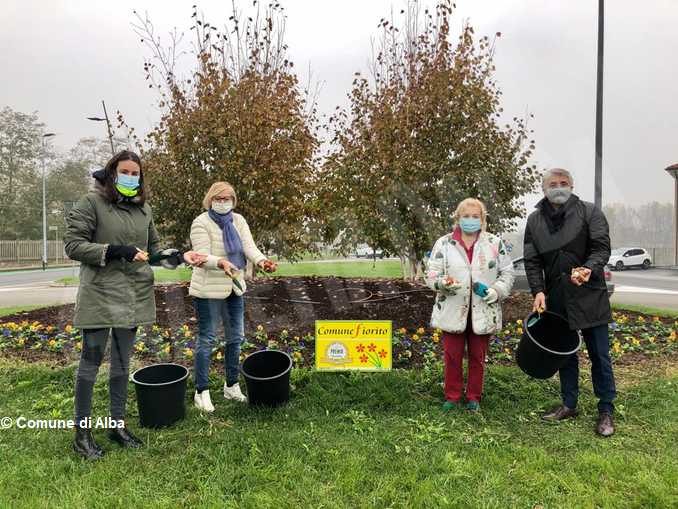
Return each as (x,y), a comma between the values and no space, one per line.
(218,285)
(471,272)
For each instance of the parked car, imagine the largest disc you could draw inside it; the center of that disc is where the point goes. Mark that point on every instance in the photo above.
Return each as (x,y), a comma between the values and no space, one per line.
(625,257)
(365,251)
(521,285)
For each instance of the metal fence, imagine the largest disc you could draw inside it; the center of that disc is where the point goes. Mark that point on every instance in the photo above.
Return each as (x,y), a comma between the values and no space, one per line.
(22,251)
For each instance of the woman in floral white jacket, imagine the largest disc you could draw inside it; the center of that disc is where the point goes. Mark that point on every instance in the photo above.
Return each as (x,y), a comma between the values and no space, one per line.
(471,272)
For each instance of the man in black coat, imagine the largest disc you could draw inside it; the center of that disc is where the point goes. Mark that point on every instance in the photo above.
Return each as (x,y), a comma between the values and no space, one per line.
(567,245)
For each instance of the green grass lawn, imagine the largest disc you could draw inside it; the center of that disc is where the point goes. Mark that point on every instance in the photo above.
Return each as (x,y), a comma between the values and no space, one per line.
(352,440)
(670,313)
(17,309)
(351,268)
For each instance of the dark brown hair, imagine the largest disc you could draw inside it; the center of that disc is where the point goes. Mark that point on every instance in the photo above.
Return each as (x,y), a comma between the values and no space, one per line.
(111,173)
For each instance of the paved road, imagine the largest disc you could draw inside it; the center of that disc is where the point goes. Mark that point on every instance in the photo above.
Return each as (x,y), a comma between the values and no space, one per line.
(31,288)
(654,287)
(657,279)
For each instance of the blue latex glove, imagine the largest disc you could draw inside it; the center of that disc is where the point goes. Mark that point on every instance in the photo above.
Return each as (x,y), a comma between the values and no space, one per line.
(480,289)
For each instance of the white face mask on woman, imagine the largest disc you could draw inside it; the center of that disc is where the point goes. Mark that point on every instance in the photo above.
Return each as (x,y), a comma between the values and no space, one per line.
(222,207)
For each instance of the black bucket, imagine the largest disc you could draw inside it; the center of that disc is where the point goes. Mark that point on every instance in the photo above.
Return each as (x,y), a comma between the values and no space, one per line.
(161,394)
(546,344)
(267,376)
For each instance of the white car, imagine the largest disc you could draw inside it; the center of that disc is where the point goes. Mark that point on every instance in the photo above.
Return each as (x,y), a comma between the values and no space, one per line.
(365,251)
(624,257)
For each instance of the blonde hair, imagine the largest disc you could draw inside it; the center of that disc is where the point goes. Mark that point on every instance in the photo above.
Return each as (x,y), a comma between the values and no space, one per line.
(471,202)
(216,189)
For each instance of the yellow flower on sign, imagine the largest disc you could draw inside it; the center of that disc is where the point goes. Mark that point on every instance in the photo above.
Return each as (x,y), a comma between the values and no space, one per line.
(672,336)
(519,321)
(219,356)
(641,319)
(140,346)
(415,337)
(298,357)
(188,353)
(651,339)
(420,331)
(519,330)
(21,341)
(52,342)
(435,338)
(656,319)
(402,330)
(78,346)
(166,349)
(260,327)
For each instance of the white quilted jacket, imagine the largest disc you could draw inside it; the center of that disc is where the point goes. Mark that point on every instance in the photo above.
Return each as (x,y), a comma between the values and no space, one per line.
(491,265)
(209,281)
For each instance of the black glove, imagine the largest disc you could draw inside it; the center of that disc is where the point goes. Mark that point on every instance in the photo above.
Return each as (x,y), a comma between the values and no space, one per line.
(124,252)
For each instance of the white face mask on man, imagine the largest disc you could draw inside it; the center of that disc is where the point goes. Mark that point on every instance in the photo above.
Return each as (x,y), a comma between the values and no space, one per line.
(558,195)
(222,207)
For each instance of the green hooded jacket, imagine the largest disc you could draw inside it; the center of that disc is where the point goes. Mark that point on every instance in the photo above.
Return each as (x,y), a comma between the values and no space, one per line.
(116,293)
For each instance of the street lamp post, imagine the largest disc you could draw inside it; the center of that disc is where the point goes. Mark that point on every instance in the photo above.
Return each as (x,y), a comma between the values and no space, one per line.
(108,125)
(598,178)
(673,171)
(44,202)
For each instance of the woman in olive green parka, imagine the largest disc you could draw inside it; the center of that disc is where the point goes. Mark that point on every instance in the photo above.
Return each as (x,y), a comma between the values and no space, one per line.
(111,233)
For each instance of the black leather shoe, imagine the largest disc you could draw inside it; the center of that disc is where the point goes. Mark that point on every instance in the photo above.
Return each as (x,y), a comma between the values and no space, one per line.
(85,446)
(559,413)
(605,425)
(125,438)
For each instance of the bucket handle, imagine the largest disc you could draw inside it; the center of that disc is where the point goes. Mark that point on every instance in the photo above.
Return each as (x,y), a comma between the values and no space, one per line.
(542,346)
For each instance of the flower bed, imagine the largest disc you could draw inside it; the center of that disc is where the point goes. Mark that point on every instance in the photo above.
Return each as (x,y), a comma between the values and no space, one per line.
(631,334)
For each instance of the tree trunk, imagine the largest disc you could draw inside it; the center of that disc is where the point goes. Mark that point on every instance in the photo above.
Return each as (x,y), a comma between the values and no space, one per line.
(413,268)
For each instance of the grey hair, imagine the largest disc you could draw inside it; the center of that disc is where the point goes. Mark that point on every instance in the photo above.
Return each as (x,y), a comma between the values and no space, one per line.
(555,172)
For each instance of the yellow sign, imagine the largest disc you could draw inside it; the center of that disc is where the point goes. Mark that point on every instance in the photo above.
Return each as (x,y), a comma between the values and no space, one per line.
(347,345)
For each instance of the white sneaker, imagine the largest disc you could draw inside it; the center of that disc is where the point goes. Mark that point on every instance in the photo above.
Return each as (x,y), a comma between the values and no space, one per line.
(203,401)
(234,392)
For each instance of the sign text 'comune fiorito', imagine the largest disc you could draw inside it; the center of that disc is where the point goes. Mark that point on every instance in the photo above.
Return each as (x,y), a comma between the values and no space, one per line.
(362,345)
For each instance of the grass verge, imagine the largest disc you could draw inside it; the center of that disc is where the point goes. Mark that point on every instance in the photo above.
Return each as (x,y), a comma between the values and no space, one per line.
(351,440)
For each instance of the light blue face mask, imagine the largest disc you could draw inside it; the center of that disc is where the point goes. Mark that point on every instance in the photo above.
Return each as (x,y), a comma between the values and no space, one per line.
(469,224)
(130,182)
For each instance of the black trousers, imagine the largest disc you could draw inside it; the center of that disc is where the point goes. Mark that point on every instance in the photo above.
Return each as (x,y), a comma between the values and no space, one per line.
(93,348)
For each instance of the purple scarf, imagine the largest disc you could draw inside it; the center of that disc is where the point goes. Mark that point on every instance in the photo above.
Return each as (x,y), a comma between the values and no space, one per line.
(232,242)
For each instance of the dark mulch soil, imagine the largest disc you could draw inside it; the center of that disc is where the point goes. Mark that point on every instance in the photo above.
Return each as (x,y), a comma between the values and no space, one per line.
(294,303)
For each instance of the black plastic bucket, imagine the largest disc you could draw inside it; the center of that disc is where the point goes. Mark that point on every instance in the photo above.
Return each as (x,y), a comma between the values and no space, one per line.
(267,376)
(161,394)
(546,344)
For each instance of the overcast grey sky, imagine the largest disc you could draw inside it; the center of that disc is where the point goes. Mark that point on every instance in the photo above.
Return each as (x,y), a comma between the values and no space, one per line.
(61,57)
